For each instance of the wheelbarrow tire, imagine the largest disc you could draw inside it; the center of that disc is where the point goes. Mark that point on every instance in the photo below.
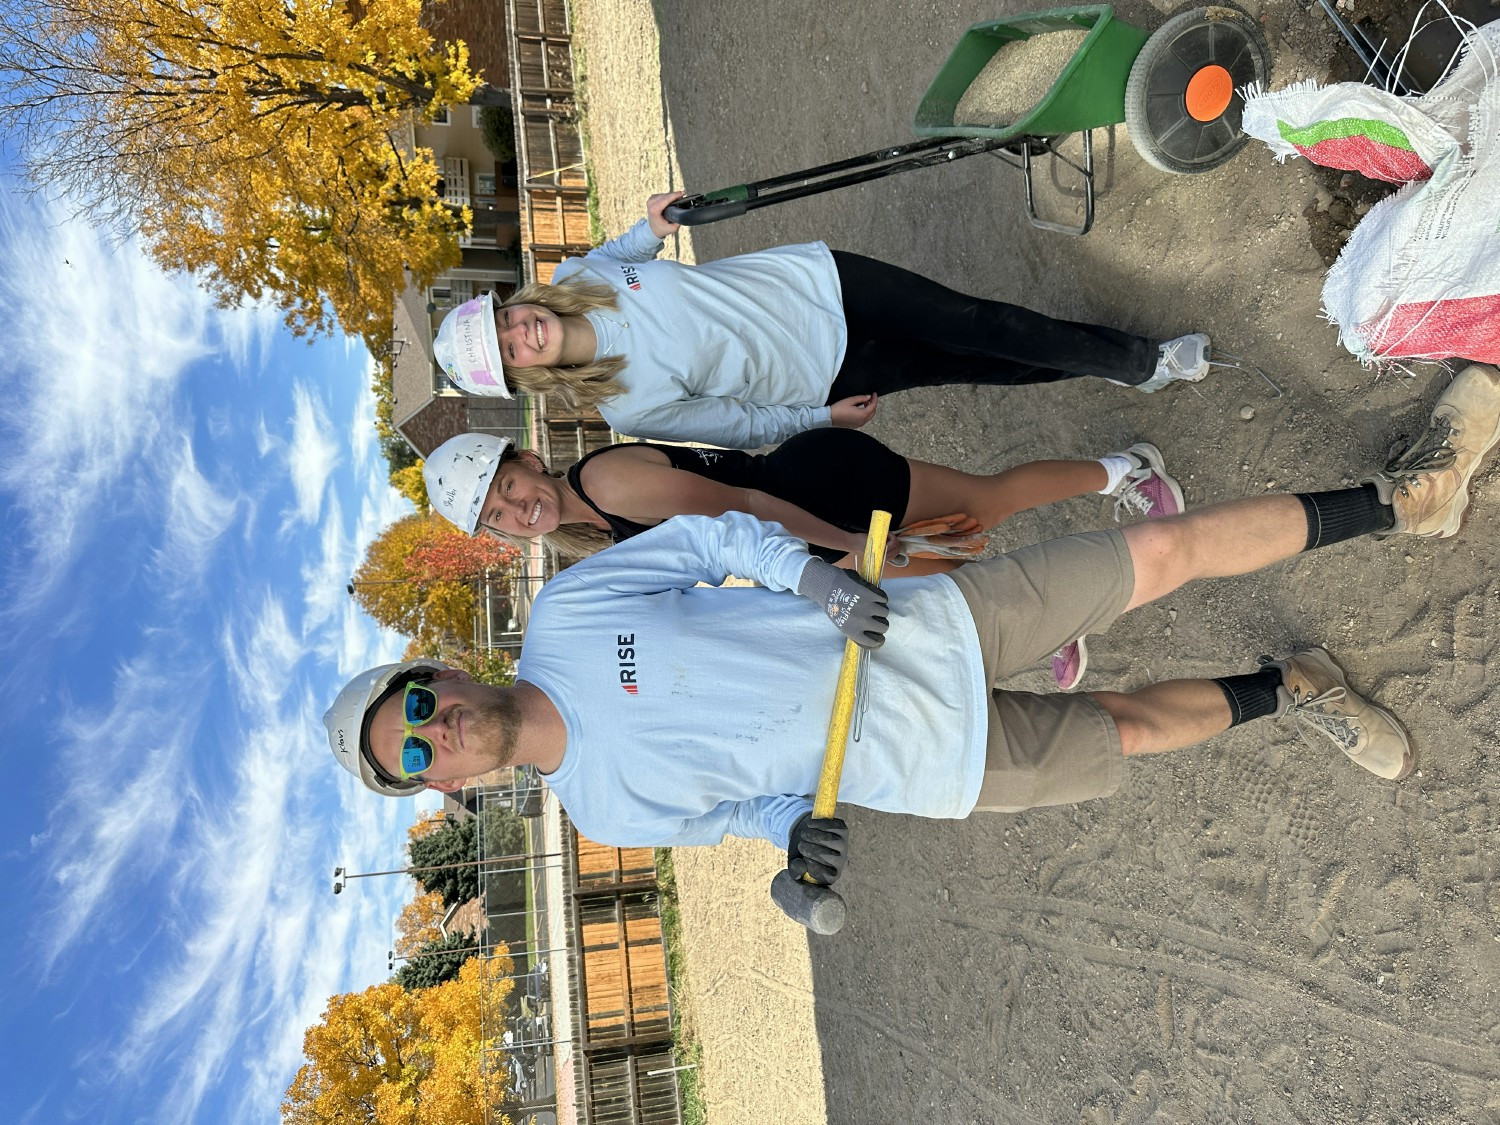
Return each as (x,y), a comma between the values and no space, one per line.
(1183,100)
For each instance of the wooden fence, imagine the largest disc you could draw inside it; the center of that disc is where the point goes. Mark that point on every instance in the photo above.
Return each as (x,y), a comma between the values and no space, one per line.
(622,1009)
(554,184)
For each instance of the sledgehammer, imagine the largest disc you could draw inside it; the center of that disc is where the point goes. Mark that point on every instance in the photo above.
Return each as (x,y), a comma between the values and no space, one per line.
(817,907)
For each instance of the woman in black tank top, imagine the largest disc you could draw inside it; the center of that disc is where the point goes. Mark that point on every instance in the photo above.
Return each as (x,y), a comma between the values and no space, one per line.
(821,485)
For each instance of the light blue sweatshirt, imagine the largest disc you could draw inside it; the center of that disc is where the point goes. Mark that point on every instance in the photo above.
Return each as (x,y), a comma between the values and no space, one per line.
(740,352)
(693,712)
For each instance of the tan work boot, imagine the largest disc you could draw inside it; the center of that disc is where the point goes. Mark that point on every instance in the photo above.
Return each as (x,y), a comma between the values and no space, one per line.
(1428,485)
(1314,692)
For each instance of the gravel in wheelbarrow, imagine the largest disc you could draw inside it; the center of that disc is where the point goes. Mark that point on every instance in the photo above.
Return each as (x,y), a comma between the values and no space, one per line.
(1016,78)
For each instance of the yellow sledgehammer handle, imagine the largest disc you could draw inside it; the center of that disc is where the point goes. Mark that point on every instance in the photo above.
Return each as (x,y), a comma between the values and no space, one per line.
(870,568)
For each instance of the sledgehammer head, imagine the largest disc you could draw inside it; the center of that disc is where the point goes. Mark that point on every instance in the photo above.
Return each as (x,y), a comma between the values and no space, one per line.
(818,908)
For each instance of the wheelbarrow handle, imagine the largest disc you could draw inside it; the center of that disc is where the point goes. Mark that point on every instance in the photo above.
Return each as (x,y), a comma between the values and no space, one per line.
(696,210)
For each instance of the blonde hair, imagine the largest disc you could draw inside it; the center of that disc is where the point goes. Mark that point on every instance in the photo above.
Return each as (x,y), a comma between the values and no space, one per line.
(586,385)
(571,540)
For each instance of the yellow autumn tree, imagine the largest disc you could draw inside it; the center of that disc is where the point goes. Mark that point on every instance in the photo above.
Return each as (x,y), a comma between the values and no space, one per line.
(410,483)
(426,825)
(452,1017)
(419,922)
(253,142)
(386,1056)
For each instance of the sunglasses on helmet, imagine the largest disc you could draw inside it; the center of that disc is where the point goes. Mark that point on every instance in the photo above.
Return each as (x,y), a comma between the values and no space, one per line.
(418,705)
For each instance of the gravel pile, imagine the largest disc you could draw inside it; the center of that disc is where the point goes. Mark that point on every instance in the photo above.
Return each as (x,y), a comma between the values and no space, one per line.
(1016,78)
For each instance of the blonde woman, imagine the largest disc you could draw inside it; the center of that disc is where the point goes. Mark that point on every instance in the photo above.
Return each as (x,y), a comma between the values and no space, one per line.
(749,350)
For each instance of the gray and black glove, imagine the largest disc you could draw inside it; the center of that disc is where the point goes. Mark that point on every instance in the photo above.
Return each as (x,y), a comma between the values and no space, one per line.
(855,606)
(818,848)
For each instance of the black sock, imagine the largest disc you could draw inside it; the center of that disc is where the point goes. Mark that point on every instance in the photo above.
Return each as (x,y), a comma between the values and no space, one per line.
(1250,696)
(1333,517)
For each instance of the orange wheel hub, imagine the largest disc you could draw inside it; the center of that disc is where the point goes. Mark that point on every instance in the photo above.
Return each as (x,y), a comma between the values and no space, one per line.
(1209,92)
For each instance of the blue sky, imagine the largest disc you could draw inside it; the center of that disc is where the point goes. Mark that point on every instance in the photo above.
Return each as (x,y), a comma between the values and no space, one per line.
(185,491)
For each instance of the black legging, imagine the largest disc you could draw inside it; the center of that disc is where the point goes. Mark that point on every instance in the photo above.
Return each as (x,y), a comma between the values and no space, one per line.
(908,331)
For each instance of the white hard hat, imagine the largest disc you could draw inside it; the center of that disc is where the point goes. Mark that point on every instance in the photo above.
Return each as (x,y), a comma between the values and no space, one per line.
(348,723)
(458,474)
(468,350)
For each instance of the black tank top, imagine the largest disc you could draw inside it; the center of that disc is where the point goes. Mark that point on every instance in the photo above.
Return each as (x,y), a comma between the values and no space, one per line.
(727,466)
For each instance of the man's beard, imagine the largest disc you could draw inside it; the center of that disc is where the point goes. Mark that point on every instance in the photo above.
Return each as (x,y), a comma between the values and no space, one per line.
(490,730)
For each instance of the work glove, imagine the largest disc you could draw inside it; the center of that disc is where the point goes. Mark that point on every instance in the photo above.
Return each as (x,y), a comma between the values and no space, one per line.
(948,537)
(852,604)
(818,847)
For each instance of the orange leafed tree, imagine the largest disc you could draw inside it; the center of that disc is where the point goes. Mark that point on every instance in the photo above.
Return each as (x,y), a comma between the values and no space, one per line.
(415,578)
(420,920)
(251,142)
(386,1056)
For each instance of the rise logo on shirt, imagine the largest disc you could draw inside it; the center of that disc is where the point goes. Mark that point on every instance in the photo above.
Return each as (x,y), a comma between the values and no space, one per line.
(632,279)
(625,657)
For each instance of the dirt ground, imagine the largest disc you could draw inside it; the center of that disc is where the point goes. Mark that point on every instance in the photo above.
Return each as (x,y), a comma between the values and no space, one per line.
(1252,931)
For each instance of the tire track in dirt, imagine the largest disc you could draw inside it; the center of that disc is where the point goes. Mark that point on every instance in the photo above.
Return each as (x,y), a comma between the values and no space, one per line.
(1257,975)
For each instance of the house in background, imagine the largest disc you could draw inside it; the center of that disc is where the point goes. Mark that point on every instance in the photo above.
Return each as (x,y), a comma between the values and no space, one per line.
(428,409)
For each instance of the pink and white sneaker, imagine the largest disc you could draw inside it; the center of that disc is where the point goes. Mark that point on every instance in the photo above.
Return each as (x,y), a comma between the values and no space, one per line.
(1148,490)
(1069,663)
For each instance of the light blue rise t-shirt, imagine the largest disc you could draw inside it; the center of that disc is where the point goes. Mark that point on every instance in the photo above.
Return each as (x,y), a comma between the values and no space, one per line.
(740,352)
(695,712)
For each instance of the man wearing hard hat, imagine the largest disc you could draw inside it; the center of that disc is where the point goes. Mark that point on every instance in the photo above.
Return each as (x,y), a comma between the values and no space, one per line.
(664,712)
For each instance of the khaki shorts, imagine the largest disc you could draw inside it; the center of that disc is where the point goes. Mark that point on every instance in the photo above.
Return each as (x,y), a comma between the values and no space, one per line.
(1046,749)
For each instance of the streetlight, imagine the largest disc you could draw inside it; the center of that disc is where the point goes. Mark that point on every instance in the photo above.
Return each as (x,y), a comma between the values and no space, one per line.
(361,582)
(341,875)
(391,958)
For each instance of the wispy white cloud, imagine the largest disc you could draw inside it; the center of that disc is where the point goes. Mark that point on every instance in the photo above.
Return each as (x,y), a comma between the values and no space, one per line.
(259,655)
(312,453)
(246,333)
(197,515)
(363,644)
(33,1112)
(98,341)
(266,442)
(257,941)
(364,442)
(194,807)
(325,575)
(264,942)
(115,763)
(379,506)
(220,421)
(341,549)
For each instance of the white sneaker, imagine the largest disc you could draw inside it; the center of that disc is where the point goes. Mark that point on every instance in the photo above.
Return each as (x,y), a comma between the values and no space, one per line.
(1183,360)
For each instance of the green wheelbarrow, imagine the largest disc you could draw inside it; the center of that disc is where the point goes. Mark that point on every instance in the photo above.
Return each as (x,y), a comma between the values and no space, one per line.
(1178,90)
